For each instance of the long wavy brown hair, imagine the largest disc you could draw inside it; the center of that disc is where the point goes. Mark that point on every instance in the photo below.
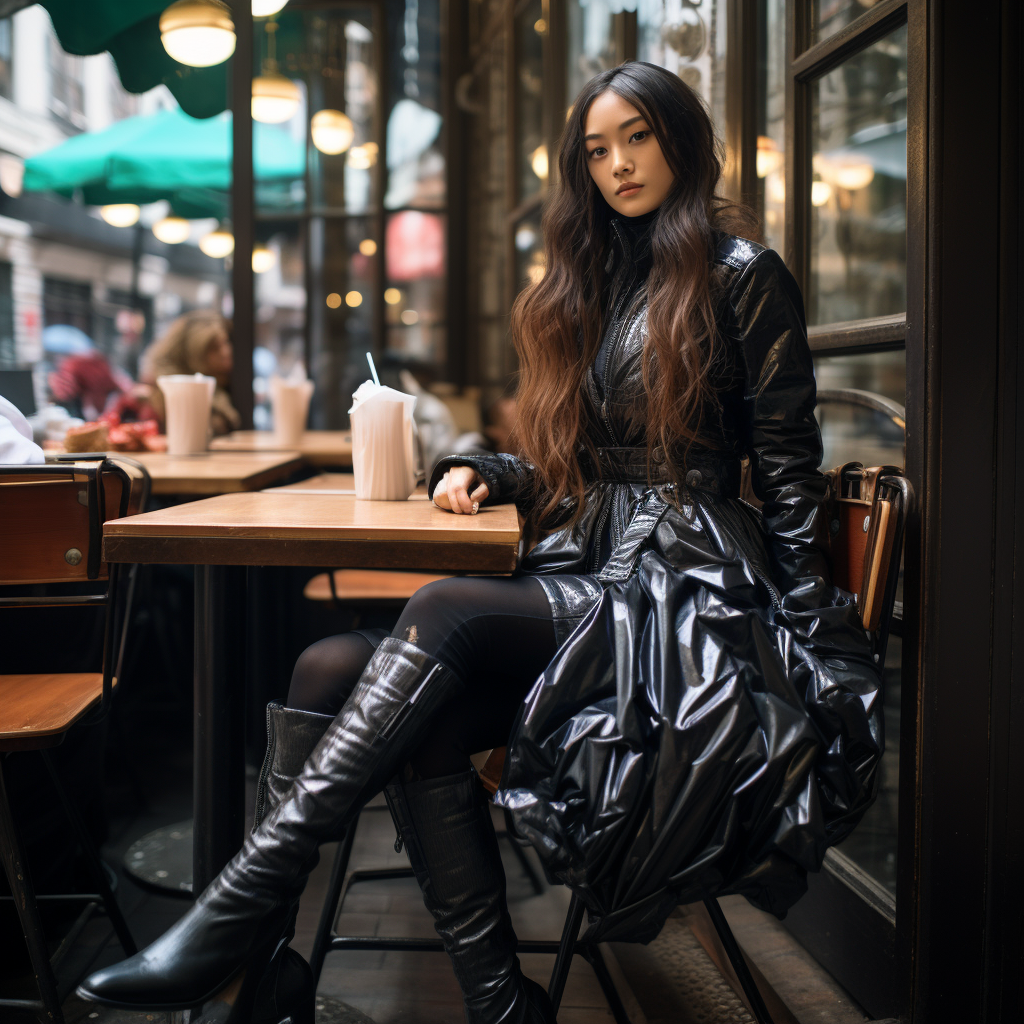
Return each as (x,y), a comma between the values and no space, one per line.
(557,323)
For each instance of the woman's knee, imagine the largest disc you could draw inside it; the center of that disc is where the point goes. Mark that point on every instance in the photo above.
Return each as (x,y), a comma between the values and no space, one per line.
(431,612)
(326,672)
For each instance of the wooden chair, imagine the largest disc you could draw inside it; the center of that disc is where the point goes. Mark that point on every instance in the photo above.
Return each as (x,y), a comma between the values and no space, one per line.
(366,586)
(53,519)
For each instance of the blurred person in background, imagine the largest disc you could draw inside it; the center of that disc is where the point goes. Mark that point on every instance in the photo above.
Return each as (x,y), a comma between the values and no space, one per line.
(84,382)
(198,342)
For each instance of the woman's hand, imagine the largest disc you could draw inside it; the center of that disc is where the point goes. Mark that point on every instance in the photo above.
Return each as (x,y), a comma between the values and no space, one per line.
(460,490)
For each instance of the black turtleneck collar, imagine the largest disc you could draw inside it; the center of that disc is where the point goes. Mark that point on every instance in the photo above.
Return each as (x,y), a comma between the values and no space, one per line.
(634,233)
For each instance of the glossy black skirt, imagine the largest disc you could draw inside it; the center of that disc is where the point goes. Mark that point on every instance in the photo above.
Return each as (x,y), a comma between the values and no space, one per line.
(698,733)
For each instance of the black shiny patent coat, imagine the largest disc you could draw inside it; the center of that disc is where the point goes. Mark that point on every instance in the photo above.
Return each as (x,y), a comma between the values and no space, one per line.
(712,720)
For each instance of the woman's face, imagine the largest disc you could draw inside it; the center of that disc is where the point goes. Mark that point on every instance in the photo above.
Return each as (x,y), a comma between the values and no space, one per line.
(219,355)
(624,157)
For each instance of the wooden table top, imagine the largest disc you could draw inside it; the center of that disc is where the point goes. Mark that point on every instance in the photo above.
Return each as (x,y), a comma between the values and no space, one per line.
(333,483)
(317,447)
(335,530)
(216,472)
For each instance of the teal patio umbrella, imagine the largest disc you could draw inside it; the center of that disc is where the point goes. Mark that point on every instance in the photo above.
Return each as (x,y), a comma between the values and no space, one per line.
(130,30)
(159,156)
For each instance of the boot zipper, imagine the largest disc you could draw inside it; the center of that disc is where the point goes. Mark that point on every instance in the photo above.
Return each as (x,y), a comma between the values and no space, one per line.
(394,821)
(261,784)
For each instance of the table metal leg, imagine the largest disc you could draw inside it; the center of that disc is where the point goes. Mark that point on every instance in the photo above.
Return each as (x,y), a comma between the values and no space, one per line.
(218,757)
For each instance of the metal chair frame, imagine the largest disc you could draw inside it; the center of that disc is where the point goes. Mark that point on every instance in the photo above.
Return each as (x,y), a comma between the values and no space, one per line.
(565,948)
(48,1006)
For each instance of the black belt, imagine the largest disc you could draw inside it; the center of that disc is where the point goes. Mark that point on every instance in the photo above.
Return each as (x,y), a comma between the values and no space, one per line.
(629,466)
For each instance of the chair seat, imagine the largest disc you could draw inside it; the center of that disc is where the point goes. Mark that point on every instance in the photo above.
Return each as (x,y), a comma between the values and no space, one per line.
(36,710)
(368,585)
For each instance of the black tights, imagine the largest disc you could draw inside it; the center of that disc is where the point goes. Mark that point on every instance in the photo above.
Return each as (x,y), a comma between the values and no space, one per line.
(494,633)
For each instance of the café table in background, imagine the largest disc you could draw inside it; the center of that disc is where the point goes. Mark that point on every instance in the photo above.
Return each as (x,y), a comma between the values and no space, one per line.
(210,473)
(222,537)
(317,447)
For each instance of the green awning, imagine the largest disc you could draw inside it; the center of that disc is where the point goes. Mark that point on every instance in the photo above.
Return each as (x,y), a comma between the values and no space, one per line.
(130,30)
(158,156)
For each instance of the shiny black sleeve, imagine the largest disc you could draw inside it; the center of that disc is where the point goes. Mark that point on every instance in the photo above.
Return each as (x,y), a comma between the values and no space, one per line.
(783,440)
(828,657)
(508,479)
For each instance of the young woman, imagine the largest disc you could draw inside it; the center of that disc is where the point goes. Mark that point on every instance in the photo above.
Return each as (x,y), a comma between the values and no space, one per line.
(690,705)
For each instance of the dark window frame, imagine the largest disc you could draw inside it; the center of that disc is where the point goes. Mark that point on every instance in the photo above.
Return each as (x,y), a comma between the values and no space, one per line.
(866,953)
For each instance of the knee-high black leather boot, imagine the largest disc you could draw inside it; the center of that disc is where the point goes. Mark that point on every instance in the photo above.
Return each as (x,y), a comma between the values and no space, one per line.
(287,991)
(235,926)
(446,826)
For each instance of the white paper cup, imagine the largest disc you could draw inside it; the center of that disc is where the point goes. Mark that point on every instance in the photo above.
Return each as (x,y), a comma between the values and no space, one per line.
(290,407)
(187,400)
(383,444)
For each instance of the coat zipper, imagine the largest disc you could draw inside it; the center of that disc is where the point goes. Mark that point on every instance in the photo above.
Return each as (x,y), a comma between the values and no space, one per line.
(595,558)
(763,577)
(776,600)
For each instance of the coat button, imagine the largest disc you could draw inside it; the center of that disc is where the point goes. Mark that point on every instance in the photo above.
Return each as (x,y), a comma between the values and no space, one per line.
(693,478)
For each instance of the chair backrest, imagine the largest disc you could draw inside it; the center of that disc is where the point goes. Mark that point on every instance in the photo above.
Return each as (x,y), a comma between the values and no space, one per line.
(53,517)
(52,522)
(867,511)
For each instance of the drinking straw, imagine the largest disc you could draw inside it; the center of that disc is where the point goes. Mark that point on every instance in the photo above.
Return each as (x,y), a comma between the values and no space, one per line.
(373,369)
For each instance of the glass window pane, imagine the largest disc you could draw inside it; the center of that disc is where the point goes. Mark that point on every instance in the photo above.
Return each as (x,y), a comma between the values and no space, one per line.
(415,157)
(873,843)
(280,290)
(531,151)
(414,289)
(342,171)
(771,128)
(859,190)
(856,434)
(689,40)
(852,433)
(832,15)
(591,42)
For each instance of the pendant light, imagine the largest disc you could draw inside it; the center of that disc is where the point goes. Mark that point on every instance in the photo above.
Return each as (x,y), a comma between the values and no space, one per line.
(198,33)
(332,131)
(265,8)
(263,258)
(172,230)
(275,98)
(539,162)
(218,244)
(120,215)
(821,193)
